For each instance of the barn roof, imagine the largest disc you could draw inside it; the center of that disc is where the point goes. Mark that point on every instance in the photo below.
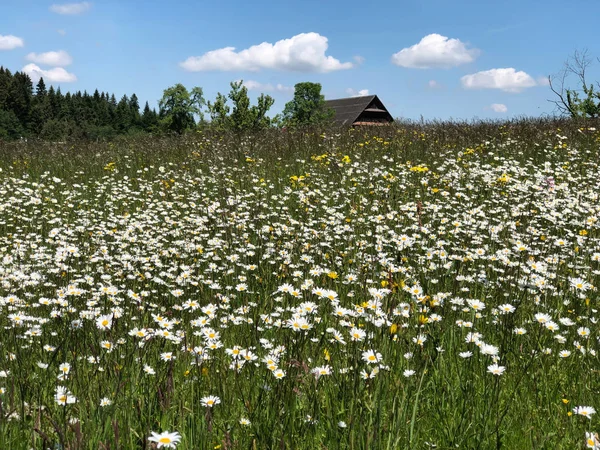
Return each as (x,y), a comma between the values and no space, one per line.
(348,110)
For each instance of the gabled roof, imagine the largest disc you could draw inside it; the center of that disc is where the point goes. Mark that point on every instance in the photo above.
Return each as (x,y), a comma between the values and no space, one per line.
(347,110)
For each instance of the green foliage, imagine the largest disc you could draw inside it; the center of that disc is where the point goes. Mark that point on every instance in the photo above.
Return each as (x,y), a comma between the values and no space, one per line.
(48,114)
(307,108)
(581,103)
(218,112)
(244,117)
(178,107)
(149,119)
(10,127)
(586,105)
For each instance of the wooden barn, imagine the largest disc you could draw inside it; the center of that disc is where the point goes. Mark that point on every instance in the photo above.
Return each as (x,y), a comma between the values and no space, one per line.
(357,111)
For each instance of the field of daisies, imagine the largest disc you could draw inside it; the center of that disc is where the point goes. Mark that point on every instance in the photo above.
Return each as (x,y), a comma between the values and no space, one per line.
(414,287)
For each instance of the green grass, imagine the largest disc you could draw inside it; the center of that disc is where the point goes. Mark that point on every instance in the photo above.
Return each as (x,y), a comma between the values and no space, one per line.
(414,235)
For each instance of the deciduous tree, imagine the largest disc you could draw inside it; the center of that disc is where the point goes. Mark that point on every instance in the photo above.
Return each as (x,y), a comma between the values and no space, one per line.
(307,108)
(583,102)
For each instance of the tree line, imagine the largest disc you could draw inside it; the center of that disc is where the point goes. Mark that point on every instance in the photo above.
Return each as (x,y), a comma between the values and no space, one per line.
(48,114)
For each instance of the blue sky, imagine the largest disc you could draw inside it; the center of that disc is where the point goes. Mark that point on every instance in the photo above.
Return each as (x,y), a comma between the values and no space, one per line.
(464,60)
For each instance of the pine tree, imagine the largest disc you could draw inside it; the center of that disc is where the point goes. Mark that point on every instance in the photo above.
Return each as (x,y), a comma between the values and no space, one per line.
(122,119)
(134,112)
(149,119)
(20,95)
(40,90)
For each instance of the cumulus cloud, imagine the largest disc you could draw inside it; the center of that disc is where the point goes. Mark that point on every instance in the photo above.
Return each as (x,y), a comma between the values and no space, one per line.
(435,50)
(55,75)
(71,9)
(304,52)
(506,79)
(56,59)
(434,84)
(498,107)
(353,93)
(268,87)
(10,42)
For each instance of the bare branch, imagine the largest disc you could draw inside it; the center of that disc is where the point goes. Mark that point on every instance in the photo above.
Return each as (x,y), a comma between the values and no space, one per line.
(561,104)
(574,102)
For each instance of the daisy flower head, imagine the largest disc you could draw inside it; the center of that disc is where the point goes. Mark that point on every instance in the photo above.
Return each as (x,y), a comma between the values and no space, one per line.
(507,308)
(322,370)
(165,439)
(63,397)
(542,318)
(591,440)
(104,322)
(64,368)
(496,369)
(371,357)
(210,401)
(167,356)
(585,411)
(579,284)
(278,373)
(477,305)
(583,332)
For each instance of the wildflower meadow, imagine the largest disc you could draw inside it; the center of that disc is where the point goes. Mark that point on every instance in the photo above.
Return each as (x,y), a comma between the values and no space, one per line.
(406,287)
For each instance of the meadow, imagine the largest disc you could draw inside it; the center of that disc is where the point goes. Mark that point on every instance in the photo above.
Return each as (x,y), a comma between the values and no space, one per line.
(412,287)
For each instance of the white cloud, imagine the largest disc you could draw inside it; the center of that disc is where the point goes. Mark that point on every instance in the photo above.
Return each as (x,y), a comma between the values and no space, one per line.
(498,107)
(71,9)
(61,32)
(56,75)
(353,93)
(10,42)
(543,81)
(301,53)
(507,79)
(434,84)
(435,50)
(268,87)
(56,59)
(358,59)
